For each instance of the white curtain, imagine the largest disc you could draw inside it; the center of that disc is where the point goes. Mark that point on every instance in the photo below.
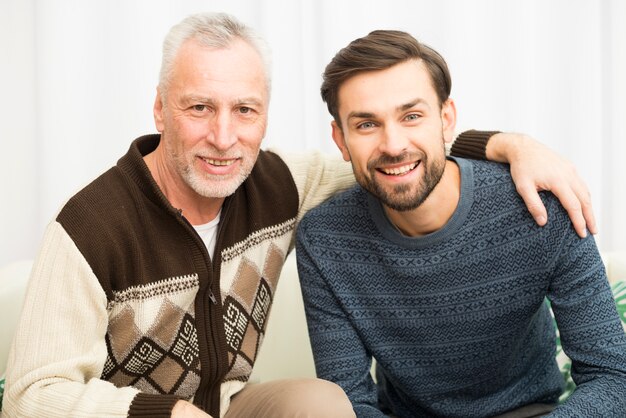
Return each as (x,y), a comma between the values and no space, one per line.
(77,83)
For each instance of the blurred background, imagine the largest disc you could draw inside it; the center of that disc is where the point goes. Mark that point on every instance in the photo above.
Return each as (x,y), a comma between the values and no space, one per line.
(78,80)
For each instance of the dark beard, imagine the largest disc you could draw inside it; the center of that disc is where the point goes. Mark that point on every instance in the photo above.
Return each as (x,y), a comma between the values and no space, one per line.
(400,197)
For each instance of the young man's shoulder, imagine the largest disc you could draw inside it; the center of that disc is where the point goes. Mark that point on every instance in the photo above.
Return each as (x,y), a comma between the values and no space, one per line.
(342,215)
(494,187)
(490,173)
(487,173)
(341,205)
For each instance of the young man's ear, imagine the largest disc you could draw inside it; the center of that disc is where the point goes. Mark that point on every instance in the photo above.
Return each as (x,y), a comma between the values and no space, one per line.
(448,119)
(340,140)
(157,111)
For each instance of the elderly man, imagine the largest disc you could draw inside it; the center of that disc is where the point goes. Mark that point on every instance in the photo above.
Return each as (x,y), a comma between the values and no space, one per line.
(151,291)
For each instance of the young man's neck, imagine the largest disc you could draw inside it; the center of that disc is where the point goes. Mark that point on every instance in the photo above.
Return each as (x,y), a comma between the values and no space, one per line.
(435,211)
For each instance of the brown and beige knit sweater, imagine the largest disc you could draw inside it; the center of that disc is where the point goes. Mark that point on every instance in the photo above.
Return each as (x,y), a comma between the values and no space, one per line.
(126,312)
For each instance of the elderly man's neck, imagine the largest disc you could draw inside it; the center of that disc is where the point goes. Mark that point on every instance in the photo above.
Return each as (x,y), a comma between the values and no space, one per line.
(197,209)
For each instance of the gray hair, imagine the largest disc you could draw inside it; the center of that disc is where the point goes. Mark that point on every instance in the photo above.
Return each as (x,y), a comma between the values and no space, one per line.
(213,30)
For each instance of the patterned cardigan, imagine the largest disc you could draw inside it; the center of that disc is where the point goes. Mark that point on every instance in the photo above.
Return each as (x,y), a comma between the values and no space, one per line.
(125,311)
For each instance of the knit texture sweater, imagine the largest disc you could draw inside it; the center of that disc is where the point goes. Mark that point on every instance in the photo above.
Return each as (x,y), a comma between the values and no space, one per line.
(457,319)
(126,312)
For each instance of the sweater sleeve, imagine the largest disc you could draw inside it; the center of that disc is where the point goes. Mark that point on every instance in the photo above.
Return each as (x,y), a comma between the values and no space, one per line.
(590,329)
(471,144)
(59,349)
(317,177)
(339,354)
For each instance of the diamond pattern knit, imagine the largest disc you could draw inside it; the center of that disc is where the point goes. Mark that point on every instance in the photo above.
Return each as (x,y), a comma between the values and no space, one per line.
(457,319)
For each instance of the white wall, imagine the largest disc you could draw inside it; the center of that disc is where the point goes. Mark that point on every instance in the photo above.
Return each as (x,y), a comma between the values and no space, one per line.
(613,180)
(19,155)
(78,80)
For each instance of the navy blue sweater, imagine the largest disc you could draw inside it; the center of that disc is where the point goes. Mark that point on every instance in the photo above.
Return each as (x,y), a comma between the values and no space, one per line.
(457,319)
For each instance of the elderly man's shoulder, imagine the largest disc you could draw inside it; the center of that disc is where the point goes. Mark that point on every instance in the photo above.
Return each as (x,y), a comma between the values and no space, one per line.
(108,196)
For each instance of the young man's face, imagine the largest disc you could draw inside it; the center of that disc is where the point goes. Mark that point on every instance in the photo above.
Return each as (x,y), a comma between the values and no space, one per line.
(214,116)
(393,131)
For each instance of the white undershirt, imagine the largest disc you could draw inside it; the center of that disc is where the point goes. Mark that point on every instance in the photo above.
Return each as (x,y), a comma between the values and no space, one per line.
(208,233)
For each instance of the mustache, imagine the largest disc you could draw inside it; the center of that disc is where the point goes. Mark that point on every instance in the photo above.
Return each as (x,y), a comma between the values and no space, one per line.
(210,152)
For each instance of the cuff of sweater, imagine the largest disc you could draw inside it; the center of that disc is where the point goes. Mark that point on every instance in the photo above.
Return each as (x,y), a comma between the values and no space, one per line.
(472,144)
(154,406)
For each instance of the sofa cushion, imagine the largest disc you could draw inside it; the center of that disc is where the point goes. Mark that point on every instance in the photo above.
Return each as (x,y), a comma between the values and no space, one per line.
(1,390)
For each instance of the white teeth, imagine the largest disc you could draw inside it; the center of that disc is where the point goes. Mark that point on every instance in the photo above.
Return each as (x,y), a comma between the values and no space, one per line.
(219,162)
(399,170)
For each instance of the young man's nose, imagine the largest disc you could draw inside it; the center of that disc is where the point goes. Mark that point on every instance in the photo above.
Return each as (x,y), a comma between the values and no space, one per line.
(394,141)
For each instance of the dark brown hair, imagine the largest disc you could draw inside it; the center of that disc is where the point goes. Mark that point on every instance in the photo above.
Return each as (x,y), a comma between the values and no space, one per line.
(379,50)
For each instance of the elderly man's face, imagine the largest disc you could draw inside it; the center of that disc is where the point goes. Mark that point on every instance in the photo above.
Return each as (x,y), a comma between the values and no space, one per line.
(214,116)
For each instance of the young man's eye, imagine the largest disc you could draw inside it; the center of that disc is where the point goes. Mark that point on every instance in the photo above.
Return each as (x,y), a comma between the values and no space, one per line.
(365,125)
(412,116)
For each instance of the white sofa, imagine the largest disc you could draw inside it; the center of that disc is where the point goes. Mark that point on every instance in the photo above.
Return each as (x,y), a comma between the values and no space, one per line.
(286,351)
(13,279)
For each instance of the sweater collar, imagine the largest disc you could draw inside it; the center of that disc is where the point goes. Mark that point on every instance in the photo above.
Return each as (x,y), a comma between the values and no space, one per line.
(389,231)
(133,165)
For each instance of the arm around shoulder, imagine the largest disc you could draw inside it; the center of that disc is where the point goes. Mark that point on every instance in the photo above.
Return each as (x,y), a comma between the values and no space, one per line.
(317,177)
(534,167)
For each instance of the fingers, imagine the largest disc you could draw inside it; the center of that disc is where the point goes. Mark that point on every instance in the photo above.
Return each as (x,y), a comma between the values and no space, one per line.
(584,199)
(536,167)
(578,208)
(533,202)
(577,202)
(590,218)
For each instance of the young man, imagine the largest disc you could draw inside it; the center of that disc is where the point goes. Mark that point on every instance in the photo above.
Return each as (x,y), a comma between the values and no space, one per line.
(152,288)
(433,267)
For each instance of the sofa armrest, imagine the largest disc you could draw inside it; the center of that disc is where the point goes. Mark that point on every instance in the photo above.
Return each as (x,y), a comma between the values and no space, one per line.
(615,262)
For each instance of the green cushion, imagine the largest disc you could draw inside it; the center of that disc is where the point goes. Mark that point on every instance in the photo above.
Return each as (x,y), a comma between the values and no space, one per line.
(1,390)
(565,364)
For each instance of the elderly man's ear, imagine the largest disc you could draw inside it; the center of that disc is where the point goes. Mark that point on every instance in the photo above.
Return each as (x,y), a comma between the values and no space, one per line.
(157,111)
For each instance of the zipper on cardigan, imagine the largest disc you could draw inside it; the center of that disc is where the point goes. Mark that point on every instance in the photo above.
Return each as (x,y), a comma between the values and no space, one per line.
(206,391)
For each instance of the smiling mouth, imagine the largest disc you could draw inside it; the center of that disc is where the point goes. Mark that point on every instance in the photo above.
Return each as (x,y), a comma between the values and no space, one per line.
(398,171)
(219,162)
